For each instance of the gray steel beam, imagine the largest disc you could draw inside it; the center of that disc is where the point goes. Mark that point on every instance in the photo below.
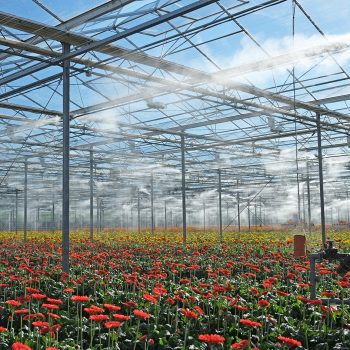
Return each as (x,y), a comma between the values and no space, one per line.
(262,109)
(93,44)
(218,77)
(335,145)
(253,139)
(243,87)
(77,20)
(109,49)
(287,100)
(13,106)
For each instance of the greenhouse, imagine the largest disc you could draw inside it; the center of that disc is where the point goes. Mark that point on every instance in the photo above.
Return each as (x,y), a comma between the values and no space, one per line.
(174,174)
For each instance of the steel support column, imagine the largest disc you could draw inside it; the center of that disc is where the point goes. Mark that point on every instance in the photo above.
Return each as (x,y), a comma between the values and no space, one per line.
(227,219)
(304,209)
(38,219)
(183,190)
(204,217)
(91,183)
(255,217)
(102,216)
(65,188)
(53,216)
(238,210)
(25,217)
(308,198)
(152,204)
(100,224)
(220,208)
(320,174)
(16,208)
(98,214)
(138,213)
(261,220)
(347,207)
(248,208)
(165,217)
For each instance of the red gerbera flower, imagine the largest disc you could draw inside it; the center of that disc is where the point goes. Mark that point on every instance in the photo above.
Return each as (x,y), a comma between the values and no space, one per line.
(32,290)
(40,324)
(80,298)
(121,317)
(212,338)
(150,298)
(38,296)
(281,292)
(112,307)
(50,306)
(22,312)
(55,301)
(12,302)
(289,341)
(98,318)
(243,344)
(141,314)
(53,315)
(189,313)
(199,309)
(93,310)
(112,324)
(250,323)
(263,303)
(20,346)
(344,284)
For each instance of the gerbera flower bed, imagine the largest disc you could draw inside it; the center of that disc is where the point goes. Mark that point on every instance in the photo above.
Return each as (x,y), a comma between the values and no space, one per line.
(132,292)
